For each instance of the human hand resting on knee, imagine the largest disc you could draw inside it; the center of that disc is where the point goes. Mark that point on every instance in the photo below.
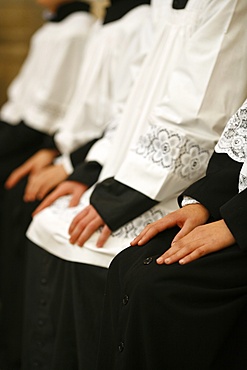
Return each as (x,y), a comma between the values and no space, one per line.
(194,240)
(186,218)
(41,183)
(200,241)
(34,164)
(85,224)
(73,188)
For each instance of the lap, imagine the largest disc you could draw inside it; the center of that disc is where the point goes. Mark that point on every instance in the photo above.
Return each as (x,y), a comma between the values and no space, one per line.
(63,309)
(184,315)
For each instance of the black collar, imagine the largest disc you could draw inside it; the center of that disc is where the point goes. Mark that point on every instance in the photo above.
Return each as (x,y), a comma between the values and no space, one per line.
(121,7)
(66,9)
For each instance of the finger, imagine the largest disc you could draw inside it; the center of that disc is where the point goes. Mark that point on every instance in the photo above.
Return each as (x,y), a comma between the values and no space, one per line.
(170,256)
(47,201)
(149,233)
(197,253)
(181,249)
(76,196)
(104,235)
(77,219)
(43,191)
(17,175)
(140,236)
(186,229)
(88,231)
(79,226)
(32,189)
(42,206)
(155,228)
(28,193)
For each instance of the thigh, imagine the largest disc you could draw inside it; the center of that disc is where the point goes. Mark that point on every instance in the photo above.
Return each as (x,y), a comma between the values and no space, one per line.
(44,294)
(83,324)
(182,316)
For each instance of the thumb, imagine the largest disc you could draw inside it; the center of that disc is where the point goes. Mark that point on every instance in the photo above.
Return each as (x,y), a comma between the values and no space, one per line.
(74,201)
(17,175)
(46,202)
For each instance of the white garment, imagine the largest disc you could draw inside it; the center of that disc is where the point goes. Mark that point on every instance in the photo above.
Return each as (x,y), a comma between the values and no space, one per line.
(184,95)
(41,92)
(106,76)
(233,142)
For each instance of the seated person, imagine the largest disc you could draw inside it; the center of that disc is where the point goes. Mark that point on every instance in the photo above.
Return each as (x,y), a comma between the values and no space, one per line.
(41,92)
(162,144)
(177,297)
(37,99)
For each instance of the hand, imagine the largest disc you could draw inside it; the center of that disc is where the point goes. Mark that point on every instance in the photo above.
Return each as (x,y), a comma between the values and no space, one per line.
(39,184)
(34,164)
(73,188)
(187,218)
(200,241)
(85,224)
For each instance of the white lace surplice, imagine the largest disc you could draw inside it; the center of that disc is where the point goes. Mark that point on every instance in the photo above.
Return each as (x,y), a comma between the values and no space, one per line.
(233,142)
(174,120)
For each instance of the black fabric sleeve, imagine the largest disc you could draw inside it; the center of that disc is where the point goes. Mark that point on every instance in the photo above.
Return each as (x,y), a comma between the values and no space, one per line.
(234,213)
(218,186)
(79,154)
(179,4)
(86,172)
(118,204)
(13,138)
(49,143)
(218,192)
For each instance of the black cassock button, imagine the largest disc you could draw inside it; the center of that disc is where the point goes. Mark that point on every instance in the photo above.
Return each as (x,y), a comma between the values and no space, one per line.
(125,299)
(148,260)
(43,281)
(121,347)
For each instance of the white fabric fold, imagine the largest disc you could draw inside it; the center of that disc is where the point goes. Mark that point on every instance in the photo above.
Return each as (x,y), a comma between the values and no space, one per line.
(41,92)
(112,56)
(192,81)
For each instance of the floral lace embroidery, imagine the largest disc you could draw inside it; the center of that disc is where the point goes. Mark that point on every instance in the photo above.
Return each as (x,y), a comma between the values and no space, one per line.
(242,182)
(233,142)
(172,151)
(134,227)
(234,137)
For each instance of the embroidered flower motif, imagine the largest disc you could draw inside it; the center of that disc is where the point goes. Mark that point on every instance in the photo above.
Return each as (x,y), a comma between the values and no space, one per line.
(144,145)
(233,140)
(134,227)
(193,161)
(242,182)
(173,152)
(165,147)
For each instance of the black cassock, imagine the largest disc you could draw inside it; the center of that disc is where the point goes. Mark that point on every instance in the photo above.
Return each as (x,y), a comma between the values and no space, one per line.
(186,317)
(18,142)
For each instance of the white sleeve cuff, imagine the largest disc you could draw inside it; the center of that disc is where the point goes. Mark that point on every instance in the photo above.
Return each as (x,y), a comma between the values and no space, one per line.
(65,161)
(188,200)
